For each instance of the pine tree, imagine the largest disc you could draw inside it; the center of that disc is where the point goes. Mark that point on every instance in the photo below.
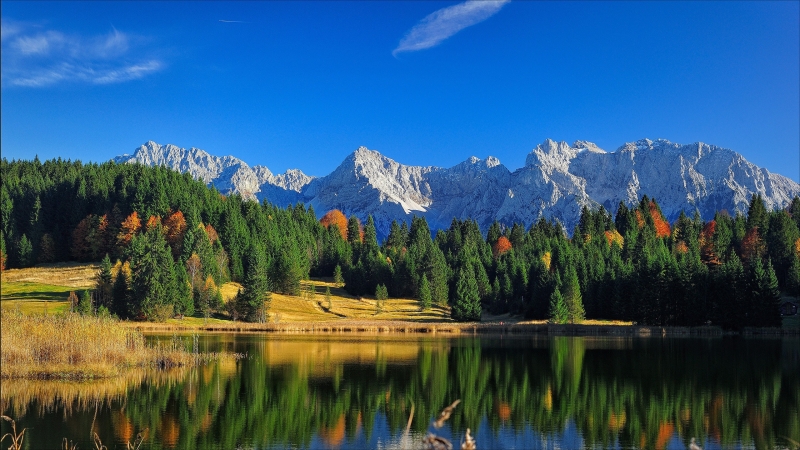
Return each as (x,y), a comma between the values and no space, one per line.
(104,284)
(466,304)
(559,313)
(184,302)
(573,299)
(206,297)
(757,214)
(120,292)
(24,252)
(337,276)
(424,293)
(85,304)
(381,294)
(252,305)
(793,277)
(438,277)
(153,281)
(328,298)
(763,308)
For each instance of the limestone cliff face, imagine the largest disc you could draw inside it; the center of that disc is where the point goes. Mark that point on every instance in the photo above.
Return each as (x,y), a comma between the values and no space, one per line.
(557,180)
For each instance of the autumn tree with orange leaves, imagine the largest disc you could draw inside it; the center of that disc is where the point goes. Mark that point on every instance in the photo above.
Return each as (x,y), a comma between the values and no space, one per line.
(175,230)
(128,229)
(335,217)
(500,247)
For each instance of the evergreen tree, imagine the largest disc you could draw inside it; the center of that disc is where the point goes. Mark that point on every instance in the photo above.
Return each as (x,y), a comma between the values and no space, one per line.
(120,293)
(757,214)
(328,298)
(337,276)
(104,284)
(85,304)
(438,277)
(253,303)
(425,299)
(370,235)
(24,252)
(763,310)
(793,277)
(153,281)
(353,231)
(184,301)
(559,313)
(466,304)
(572,298)
(381,294)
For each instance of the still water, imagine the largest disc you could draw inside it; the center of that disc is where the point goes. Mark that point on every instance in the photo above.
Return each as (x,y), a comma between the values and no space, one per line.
(358,392)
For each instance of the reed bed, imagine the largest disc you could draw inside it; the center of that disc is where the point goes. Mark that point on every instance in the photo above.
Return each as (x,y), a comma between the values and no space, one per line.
(18,395)
(70,346)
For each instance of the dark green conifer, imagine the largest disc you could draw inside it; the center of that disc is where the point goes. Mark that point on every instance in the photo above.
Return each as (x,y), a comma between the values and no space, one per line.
(424,293)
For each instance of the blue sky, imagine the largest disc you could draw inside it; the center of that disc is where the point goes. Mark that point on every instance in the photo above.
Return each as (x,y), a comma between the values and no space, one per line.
(303,84)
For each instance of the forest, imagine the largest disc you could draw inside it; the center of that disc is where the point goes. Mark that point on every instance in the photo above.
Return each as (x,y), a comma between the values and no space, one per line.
(167,242)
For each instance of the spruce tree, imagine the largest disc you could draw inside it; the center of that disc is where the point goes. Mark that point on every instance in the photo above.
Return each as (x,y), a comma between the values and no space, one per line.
(793,277)
(184,301)
(381,294)
(572,298)
(24,252)
(559,313)
(467,303)
(337,276)
(328,298)
(120,294)
(85,304)
(252,304)
(104,284)
(765,296)
(153,281)
(424,293)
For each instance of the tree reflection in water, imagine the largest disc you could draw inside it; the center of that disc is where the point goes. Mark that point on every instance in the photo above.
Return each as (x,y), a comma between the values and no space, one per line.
(353,392)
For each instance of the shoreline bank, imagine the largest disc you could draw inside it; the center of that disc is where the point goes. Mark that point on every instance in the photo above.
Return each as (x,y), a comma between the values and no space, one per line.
(460,329)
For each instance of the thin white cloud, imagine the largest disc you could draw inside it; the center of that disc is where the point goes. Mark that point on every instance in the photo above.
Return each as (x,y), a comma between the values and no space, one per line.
(443,23)
(32,57)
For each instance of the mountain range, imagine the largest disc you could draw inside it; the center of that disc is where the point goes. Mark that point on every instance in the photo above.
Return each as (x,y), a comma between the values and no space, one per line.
(557,180)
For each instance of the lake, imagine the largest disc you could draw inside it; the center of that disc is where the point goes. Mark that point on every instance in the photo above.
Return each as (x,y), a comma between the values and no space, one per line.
(357,391)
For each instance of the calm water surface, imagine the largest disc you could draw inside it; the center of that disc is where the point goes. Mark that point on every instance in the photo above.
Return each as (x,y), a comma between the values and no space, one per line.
(357,392)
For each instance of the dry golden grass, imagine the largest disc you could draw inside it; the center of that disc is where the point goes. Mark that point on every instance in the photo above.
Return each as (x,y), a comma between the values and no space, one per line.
(70,274)
(71,346)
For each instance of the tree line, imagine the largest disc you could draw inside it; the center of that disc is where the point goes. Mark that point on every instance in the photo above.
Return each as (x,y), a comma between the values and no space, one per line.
(167,243)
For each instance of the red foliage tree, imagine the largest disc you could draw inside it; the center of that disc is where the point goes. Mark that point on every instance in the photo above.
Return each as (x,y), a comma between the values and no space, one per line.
(129,227)
(501,246)
(154,222)
(99,238)
(661,225)
(212,234)
(80,248)
(706,241)
(335,217)
(752,245)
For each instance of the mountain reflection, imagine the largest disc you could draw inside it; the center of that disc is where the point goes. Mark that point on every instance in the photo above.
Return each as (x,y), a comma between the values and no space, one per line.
(356,392)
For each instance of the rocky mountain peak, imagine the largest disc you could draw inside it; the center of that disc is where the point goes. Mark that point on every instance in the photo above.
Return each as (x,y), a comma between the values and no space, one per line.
(556,181)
